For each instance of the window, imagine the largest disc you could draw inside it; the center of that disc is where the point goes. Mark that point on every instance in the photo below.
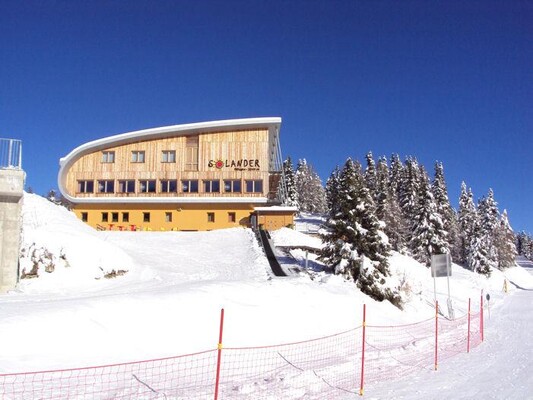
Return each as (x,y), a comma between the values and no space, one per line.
(125,217)
(114,217)
(126,186)
(146,217)
(107,186)
(169,186)
(232,186)
(189,186)
(105,217)
(212,186)
(85,186)
(168,156)
(210,217)
(254,186)
(147,186)
(191,153)
(108,156)
(232,217)
(84,216)
(168,217)
(137,156)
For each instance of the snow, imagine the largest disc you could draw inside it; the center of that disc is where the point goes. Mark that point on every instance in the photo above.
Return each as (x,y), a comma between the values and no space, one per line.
(168,301)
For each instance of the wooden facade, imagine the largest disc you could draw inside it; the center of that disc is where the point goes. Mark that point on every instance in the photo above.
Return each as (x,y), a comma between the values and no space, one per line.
(241,148)
(187,177)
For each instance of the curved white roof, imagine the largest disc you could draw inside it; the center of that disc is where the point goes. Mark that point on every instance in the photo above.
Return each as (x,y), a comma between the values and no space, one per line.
(272,123)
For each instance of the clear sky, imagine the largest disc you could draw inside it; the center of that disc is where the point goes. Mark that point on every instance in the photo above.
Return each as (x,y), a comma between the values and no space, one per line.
(440,80)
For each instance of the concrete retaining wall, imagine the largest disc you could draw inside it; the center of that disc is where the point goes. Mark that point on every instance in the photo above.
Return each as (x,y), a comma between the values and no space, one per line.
(11,191)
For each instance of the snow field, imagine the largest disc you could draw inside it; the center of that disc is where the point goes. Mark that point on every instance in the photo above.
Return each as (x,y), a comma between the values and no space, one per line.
(168,303)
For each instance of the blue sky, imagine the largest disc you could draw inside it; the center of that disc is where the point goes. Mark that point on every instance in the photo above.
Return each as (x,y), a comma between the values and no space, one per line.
(439,80)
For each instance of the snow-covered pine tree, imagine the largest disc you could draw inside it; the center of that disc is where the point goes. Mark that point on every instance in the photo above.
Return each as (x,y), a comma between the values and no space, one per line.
(355,245)
(332,192)
(311,193)
(447,213)
(52,196)
(429,235)
(488,221)
(396,174)
(370,175)
(290,185)
(505,243)
(482,256)
(339,252)
(528,248)
(408,193)
(488,212)
(59,200)
(524,245)
(387,208)
(467,218)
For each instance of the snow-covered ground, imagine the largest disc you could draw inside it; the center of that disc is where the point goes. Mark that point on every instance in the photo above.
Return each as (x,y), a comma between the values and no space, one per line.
(114,297)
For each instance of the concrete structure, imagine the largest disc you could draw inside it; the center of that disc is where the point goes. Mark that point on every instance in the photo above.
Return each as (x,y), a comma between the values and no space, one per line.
(11,191)
(200,176)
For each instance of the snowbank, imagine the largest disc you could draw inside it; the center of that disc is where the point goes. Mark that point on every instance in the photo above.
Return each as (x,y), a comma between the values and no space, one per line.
(59,252)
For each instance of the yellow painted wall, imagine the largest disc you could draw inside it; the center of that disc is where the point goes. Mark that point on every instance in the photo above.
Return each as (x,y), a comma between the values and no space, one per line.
(185,217)
(276,220)
(188,217)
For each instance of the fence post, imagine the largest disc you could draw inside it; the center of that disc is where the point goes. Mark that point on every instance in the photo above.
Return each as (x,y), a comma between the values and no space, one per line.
(436,333)
(481,322)
(468,334)
(361,387)
(219,356)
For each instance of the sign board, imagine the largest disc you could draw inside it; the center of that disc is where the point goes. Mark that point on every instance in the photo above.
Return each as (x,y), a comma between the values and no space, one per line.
(441,265)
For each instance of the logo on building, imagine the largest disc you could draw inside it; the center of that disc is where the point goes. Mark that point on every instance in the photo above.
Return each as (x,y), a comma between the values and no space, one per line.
(237,165)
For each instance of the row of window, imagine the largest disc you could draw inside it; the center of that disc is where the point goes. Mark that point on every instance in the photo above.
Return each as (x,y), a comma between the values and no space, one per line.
(169,186)
(138,156)
(108,217)
(167,156)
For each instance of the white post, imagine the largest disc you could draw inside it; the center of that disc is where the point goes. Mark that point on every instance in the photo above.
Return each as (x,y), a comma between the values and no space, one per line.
(9,151)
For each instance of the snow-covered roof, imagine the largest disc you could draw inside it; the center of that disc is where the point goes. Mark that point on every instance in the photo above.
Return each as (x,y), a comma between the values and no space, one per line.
(271,123)
(276,208)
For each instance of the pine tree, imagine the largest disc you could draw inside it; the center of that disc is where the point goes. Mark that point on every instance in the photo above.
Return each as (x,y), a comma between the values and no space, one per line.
(408,193)
(396,174)
(528,253)
(332,192)
(387,208)
(354,245)
(429,236)
(480,253)
(447,213)
(467,217)
(524,245)
(370,175)
(311,193)
(488,212)
(488,222)
(290,185)
(339,251)
(482,256)
(52,196)
(505,243)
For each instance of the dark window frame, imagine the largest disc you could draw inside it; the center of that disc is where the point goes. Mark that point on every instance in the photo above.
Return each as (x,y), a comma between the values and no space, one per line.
(254,183)
(209,185)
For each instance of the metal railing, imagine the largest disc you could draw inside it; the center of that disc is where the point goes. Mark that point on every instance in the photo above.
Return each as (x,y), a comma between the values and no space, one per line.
(10,154)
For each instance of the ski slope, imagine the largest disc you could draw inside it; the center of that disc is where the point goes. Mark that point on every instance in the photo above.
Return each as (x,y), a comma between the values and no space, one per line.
(168,301)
